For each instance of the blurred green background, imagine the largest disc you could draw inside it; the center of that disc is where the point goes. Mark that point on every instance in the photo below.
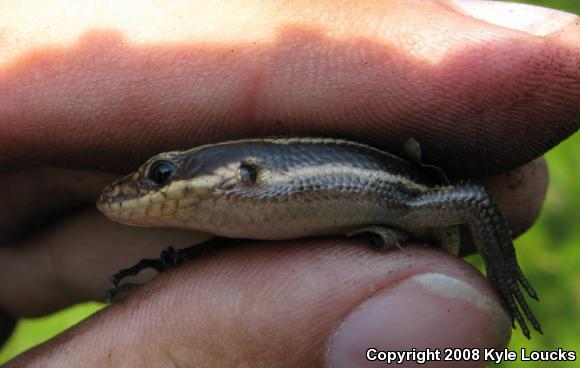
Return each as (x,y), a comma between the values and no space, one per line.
(549,253)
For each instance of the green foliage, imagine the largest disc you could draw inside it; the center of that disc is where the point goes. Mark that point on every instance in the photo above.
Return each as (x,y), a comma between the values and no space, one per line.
(572,6)
(31,332)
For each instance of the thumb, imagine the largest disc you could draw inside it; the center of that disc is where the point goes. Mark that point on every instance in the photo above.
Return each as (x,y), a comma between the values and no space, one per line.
(289,304)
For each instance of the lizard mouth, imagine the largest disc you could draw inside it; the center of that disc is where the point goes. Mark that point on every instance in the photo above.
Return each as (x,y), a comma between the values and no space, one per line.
(128,201)
(132,202)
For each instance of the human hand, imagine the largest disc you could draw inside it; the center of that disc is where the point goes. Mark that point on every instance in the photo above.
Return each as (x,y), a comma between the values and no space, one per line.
(97,91)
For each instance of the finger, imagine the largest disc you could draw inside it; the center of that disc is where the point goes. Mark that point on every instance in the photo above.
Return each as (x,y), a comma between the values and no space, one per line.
(105,91)
(71,262)
(296,304)
(34,197)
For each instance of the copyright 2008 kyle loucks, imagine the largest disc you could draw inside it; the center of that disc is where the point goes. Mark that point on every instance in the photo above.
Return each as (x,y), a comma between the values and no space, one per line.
(469,354)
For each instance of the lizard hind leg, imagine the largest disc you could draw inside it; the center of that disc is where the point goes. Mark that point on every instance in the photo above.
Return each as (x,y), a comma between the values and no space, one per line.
(383,238)
(474,206)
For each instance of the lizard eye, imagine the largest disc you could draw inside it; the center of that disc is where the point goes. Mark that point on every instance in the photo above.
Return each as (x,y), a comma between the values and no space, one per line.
(248,173)
(160,172)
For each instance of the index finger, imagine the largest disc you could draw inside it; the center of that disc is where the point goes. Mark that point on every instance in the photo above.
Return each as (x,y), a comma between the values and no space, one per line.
(106,90)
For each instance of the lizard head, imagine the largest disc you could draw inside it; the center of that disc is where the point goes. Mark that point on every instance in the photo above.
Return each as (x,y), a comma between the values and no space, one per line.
(168,184)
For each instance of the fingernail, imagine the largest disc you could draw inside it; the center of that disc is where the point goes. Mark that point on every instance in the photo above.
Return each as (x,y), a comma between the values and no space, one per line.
(429,310)
(536,20)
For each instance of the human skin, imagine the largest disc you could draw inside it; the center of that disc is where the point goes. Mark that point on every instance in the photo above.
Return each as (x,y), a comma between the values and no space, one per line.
(88,91)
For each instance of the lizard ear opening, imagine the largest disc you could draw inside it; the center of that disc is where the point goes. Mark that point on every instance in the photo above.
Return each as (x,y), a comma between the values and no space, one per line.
(248,173)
